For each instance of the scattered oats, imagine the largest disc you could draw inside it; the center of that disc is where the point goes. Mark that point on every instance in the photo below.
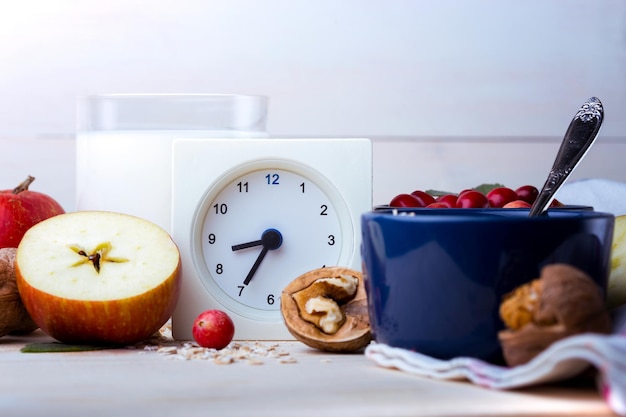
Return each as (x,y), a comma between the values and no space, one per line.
(249,352)
(224,360)
(167,350)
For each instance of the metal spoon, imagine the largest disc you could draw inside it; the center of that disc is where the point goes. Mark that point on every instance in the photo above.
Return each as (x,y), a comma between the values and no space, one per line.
(581,133)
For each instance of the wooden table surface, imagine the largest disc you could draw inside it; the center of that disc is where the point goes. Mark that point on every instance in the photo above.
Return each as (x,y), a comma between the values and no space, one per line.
(288,379)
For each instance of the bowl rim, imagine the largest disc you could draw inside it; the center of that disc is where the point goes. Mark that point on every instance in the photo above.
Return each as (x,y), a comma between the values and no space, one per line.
(484,214)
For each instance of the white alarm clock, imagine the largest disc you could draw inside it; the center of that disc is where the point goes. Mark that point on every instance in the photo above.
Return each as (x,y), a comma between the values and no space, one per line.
(251,215)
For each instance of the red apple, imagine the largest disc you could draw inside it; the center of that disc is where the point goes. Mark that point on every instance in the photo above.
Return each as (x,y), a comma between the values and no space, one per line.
(213,329)
(96,277)
(20,209)
(517,204)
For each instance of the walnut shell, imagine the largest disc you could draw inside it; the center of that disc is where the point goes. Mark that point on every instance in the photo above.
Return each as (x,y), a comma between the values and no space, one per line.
(563,302)
(14,319)
(353,332)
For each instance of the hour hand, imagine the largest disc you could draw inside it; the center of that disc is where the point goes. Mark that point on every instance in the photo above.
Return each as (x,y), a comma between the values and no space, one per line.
(247,245)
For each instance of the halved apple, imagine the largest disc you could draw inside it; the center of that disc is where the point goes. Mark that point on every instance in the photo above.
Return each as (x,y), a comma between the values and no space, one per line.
(98,277)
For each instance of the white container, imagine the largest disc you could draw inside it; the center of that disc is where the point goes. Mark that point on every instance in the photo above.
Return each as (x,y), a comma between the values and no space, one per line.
(124,141)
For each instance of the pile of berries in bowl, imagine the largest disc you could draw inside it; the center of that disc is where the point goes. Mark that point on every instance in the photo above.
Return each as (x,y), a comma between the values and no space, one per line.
(483,196)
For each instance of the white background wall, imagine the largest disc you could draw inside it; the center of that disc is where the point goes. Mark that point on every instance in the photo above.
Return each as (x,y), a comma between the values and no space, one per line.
(332,67)
(385,68)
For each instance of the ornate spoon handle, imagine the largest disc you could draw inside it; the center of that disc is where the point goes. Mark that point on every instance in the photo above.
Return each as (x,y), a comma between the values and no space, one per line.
(581,133)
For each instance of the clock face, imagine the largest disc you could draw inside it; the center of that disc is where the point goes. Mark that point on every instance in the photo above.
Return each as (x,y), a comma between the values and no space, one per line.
(290,205)
(260,227)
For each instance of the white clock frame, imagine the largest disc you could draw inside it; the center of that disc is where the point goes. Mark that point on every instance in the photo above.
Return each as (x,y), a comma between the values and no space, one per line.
(200,167)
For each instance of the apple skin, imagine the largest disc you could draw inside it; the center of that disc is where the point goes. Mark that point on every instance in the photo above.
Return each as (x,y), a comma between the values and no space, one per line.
(213,329)
(20,209)
(112,322)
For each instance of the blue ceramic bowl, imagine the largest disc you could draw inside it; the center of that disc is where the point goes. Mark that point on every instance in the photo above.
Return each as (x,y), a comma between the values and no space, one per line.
(435,277)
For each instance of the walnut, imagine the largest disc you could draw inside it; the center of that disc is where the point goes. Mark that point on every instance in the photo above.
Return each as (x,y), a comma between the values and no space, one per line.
(327,309)
(14,319)
(562,302)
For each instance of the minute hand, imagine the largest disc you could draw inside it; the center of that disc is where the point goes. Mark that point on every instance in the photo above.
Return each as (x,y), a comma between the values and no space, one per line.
(256,265)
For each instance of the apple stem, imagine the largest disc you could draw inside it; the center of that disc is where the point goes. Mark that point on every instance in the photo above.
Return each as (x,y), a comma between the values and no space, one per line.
(24,185)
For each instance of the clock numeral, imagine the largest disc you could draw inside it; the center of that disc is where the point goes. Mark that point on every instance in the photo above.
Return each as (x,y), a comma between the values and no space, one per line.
(324,211)
(331,240)
(270,299)
(211,238)
(219,269)
(302,187)
(241,287)
(242,187)
(272,179)
(220,208)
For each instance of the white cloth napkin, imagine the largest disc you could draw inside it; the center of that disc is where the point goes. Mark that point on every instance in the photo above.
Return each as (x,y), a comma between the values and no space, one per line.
(603,195)
(563,359)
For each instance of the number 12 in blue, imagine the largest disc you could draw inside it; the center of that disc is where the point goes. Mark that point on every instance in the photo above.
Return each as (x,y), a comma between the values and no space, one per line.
(272,179)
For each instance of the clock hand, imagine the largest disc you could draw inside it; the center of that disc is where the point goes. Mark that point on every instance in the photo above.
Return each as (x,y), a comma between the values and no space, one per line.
(256,265)
(247,245)
(271,240)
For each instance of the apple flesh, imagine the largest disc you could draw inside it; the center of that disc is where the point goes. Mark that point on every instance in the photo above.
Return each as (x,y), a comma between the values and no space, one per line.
(213,329)
(20,209)
(96,277)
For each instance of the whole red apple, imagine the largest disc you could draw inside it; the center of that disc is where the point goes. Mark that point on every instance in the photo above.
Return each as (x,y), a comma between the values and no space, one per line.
(20,209)
(213,329)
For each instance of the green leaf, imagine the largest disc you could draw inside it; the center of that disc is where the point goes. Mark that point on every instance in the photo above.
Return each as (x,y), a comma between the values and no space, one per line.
(438,193)
(45,347)
(485,188)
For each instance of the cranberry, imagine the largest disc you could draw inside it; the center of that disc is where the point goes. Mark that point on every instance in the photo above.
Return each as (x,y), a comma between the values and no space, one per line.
(405,200)
(528,193)
(447,199)
(424,197)
(500,196)
(472,199)
(213,329)
(438,205)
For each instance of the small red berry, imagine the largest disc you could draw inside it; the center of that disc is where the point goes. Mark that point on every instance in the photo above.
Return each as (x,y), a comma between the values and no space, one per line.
(500,196)
(528,193)
(405,200)
(472,199)
(424,197)
(437,205)
(447,199)
(213,329)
